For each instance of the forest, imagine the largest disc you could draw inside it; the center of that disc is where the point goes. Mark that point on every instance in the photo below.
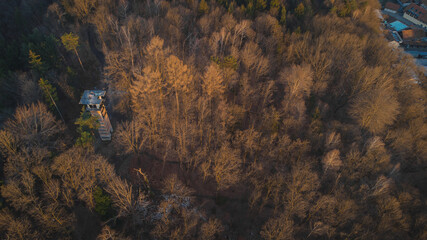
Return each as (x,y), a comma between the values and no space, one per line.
(243,119)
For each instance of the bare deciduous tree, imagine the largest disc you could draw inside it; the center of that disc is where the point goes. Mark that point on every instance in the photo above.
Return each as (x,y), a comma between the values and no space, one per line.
(107,233)
(375,109)
(8,143)
(33,125)
(179,78)
(281,227)
(210,229)
(298,81)
(226,167)
(173,186)
(302,188)
(129,136)
(331,161)
(16,228)
(254,61)
(213,82)
(177,218)
(333,140)
(79,8)
(121,194)
(393,222)
(155,53)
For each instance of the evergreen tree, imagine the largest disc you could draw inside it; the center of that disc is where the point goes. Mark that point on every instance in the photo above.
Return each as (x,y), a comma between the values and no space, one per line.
(203,7)
(71,42)
(283,16)
(36,61)
(87,124)
(300,10)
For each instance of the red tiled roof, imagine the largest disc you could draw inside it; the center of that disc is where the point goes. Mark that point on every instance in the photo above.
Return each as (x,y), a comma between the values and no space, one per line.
(391,6)
(413,33)
(414,7)
(419,12)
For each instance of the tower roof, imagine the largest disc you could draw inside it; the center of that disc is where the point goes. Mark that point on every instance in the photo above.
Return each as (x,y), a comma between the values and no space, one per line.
(91,97)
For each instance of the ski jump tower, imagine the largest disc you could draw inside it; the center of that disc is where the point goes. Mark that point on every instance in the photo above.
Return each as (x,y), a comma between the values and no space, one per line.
(94,101)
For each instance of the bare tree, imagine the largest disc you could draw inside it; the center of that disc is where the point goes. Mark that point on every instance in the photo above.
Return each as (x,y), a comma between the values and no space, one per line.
(281,227)
(333,140)
(393,222)
(150,82)
(210,229)
(298,81)
(375,109)
(79,8)
(16,228)
(179,78)
(173,186)
(148,96)
(331,161)
(177,218)
(107,233)
(330,214)
(213,82)
(27,159)
(129,136)
(33,125)
(8,143)
(249,140)
(19,198)
(100,19)
(254,61)
(302,187)
(118,68)
(121,193)
(155,53)
(226,167)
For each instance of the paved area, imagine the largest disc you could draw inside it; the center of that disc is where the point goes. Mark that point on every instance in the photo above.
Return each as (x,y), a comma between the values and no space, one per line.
(399,17)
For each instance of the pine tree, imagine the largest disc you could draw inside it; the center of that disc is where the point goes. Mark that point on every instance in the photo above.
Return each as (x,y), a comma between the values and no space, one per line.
(203,7)
(36,61)
(50,95)
(86,128)
(71,42)
(283,16)
(300,10)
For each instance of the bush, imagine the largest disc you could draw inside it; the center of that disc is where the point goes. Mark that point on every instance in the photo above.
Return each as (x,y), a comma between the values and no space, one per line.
(103,203)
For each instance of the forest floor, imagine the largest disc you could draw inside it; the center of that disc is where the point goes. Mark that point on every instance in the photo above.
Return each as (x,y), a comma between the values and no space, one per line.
(231,205)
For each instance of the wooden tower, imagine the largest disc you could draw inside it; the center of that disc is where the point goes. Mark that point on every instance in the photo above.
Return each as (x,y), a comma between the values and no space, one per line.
(94,101)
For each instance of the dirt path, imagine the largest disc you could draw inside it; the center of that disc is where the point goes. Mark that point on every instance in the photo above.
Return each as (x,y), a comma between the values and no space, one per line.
(91,36)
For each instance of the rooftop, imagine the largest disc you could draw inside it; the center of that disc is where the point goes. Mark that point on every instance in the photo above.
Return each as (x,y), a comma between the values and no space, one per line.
(91,97)
(417,12)
(413,33)
(398,26)
(392,6)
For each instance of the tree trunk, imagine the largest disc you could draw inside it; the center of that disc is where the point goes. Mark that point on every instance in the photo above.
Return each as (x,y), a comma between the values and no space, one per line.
(54,103)
(177,104)
(80,61)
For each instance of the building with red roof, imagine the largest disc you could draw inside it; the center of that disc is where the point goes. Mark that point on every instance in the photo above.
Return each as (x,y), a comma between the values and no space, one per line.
(391,7)
(416,15)
(412,34)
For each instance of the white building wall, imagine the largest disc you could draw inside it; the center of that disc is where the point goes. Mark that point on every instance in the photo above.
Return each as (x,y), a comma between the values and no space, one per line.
(415,21)
(389,10)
